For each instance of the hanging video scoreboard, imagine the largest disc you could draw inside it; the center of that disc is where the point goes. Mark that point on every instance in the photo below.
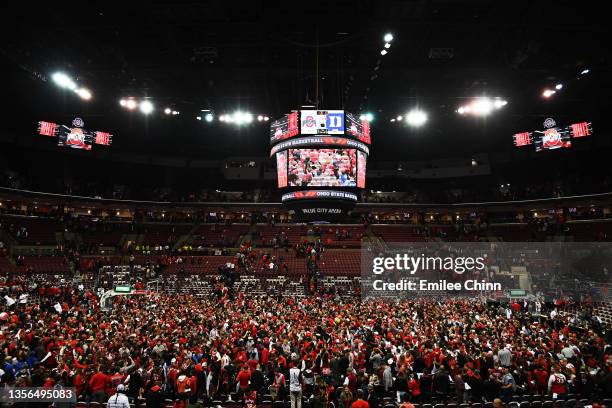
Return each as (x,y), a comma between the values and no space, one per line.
(320,123)
(75,136)
(553,137)
(321,158)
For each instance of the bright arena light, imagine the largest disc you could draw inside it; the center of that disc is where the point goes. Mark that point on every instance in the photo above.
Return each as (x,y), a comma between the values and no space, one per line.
(558,87)
(63,81)
(241,118)
(387,45)
(146,107)
(498,103)
(416,117)
(482,106)
(548,93)
(209,117)
(123,102)
(369,117)
(585,71)
(84,93)
(259,118)
(176,112)
(383,52)
(388,37)
(266,118)
(167,111)
(131,104)
(400,117)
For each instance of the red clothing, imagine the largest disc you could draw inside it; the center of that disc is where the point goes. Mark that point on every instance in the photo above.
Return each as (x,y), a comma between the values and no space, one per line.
(415,387)
(252,364)
(360,404)
(243,378)
(98,382)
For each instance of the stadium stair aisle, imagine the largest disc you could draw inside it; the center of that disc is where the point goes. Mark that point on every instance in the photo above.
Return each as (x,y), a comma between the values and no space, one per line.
(185,239)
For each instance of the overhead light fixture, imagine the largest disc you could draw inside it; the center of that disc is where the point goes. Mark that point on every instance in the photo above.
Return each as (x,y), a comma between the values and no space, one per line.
(416,118)
(400,117)
(585,71)
(266,118)
(388,37)
(383,52)
(387,45)
(64,81)
(498,103)
(239,118)
(198,118)
(548,93)
(482,106)
(146,107)
(176,112)
(558,87)
(123,102)
(259,118)
(167,111)
(209,117)
(84,93)
(130,104)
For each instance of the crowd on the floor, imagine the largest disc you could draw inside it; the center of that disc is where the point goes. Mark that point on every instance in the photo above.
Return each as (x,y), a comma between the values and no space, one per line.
(319,348)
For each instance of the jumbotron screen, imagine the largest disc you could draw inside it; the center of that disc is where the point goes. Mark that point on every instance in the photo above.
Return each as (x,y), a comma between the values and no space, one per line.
(322,123)
(321,168)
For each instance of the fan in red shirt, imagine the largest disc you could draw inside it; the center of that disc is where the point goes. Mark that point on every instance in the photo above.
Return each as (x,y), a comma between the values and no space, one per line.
(360,402)
(243,378)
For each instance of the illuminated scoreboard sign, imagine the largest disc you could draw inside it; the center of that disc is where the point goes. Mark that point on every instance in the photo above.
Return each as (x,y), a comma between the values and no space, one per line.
(75,136)
(314,122)
(284,128)
(553,137)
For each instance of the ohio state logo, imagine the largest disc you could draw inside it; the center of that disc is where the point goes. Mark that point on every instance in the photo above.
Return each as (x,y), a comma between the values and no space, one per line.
(552,139)
(309,121)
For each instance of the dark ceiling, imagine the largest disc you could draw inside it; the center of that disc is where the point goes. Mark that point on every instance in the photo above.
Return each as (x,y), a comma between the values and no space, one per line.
(261,56)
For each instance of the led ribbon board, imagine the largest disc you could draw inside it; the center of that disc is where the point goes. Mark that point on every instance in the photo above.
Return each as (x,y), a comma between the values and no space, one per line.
(553,137)
(74,136)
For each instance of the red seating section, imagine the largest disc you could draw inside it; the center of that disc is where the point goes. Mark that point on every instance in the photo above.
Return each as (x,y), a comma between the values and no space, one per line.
(267,232)
(328,236)
(218,235)
(39,264)
(164,234)
(399,233)
(41,231)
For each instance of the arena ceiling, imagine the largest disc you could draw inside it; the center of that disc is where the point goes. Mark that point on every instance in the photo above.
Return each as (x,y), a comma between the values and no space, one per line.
(260,56)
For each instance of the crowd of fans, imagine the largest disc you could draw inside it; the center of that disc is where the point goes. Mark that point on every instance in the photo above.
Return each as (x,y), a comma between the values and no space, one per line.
(318,349)
(322,167)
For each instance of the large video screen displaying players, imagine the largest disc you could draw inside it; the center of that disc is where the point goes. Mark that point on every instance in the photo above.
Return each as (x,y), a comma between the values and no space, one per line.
(322,168)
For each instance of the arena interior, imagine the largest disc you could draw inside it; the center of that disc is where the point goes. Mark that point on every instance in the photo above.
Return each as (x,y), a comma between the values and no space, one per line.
(202,204)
